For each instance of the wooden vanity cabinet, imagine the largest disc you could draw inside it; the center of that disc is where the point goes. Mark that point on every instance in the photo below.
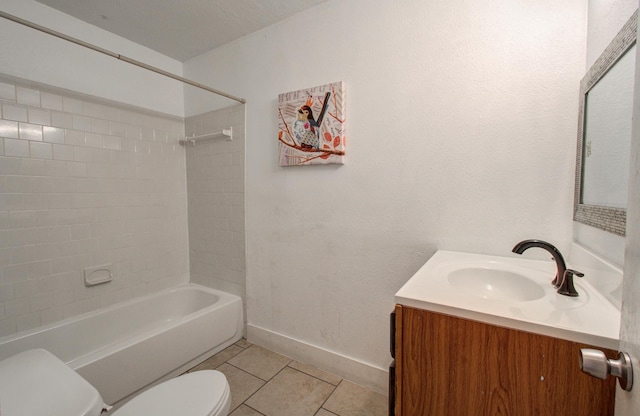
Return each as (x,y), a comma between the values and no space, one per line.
(449,366)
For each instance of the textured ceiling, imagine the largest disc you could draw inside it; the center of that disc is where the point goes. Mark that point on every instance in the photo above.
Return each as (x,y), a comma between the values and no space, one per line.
(181,29)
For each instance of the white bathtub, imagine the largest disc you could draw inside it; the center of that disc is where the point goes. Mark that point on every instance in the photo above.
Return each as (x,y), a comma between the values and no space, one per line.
(132,345)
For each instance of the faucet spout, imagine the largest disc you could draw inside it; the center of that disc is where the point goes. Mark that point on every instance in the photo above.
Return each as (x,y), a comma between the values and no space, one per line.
(561,266)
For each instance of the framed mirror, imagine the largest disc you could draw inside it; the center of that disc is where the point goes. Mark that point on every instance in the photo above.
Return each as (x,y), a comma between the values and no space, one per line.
(604,135)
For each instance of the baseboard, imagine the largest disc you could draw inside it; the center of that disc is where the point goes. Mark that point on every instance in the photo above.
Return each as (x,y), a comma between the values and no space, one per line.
(349,368)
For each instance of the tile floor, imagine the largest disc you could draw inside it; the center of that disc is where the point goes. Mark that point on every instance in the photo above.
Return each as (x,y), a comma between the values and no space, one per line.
(265,383)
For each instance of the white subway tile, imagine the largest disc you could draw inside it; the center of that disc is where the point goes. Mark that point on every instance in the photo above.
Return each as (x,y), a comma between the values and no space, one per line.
(51,101)
(28,96)
(61,201)
(14,112)
(81,123)
(23,254)
(71,105)
(32,167)
(90,109)
(22,219)
(99,126)
(29,131)
(53,134)
(101,155)
(133,132)
(51,315)
(46,218)
(27,321)
(7,292)
(112,142)
(55,282)
(128,145)
(56,167)
(71,264)
(80,231)
(7,326)
(26,288)
(64,297)
(34,202)
(77,169)
(39,116)
(75,138)
(75,308)
(14,272)
(38,269)
(63,152)
(9,129)
(83,154)
(94,140)
(16,148)
(7,91)
(117,129)
(41,301)
(62,120)
(41,150)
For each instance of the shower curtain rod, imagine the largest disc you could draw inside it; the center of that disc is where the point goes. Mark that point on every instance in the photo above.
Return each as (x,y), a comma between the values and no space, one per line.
(117,56)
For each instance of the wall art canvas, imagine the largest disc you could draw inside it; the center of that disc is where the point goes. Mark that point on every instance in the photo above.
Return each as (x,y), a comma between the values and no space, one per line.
(311,126)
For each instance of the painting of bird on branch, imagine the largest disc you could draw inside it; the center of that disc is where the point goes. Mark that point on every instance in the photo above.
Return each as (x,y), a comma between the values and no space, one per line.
(311,126)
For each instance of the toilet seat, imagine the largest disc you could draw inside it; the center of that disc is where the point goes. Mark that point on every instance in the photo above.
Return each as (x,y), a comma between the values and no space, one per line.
(201,393)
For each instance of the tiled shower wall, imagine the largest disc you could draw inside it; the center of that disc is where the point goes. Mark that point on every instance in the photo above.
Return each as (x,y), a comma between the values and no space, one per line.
(215,179)
(85,183)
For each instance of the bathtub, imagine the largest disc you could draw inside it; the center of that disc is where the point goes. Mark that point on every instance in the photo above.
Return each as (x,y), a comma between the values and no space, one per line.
(127,347)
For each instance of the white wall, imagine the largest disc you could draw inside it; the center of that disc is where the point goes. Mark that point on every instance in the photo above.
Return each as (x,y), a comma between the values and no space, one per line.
(461,135)
(606,18)
(36,56)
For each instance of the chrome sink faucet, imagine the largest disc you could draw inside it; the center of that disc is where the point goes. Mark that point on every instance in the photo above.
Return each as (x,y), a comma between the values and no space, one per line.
(563,279)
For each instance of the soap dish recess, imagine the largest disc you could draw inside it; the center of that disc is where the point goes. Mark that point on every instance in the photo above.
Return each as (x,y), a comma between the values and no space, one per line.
(97,275)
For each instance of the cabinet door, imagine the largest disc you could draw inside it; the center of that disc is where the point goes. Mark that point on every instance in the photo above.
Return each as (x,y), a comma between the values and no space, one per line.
(451,366)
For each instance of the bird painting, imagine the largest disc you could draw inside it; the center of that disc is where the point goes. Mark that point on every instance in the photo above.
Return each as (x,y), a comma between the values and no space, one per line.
(305,135)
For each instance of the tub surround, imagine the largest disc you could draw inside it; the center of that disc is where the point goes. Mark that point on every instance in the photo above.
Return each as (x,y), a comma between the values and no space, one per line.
(85,182)
(215,193)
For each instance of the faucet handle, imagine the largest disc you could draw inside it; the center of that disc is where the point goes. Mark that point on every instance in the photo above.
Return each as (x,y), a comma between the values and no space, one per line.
(566,287)
(573,273)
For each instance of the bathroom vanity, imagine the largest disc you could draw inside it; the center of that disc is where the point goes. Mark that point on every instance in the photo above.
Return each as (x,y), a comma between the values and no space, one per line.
(503,343)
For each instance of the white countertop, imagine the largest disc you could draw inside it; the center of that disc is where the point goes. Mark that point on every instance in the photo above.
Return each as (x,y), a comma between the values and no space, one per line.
(589,318)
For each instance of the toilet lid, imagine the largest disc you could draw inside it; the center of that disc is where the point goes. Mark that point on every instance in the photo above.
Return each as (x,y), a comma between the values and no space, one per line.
(201,393)
(35,383)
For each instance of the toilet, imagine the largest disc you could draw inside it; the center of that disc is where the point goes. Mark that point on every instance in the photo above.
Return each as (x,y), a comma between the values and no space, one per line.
(36,383)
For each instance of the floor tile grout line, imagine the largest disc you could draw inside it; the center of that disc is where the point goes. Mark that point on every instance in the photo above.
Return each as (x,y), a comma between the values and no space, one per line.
(255,392)
(255,410)
(311,375)
(244,371)
(329,396)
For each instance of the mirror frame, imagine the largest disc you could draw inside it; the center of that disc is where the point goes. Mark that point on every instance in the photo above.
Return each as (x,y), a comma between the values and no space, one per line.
(610,219)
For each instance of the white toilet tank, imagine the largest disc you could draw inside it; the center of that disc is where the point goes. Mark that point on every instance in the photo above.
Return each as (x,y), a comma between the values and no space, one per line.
(36,383)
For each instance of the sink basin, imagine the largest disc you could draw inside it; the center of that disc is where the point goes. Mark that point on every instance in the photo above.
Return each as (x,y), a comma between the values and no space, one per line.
(495,284)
